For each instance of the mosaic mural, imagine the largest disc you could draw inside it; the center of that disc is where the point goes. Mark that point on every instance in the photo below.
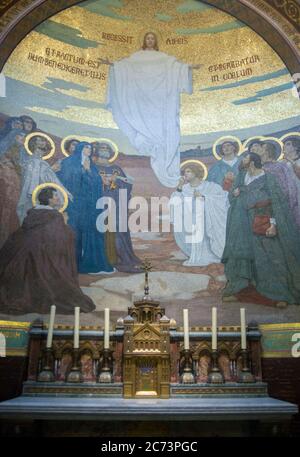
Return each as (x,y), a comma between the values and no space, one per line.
(111,106)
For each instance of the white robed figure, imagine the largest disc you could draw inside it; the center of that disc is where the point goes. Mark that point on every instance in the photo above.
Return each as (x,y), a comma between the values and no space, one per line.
(144,98)
(36,171)
(198,211)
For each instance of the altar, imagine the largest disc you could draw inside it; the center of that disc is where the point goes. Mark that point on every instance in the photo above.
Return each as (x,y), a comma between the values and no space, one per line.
(147,369)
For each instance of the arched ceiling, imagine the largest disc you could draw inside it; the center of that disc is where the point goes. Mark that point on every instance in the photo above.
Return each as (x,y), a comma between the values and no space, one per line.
(277,21)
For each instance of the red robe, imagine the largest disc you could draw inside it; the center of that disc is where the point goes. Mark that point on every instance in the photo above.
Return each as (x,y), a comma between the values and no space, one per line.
(38,267)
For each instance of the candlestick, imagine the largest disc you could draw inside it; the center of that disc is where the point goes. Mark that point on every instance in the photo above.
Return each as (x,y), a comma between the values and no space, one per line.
(106,328)
(105,375)
(243,329)
(51,325)
(187,376)
(76,328)
(214,329)
(47,374)
(215,375)
(186,329)
(245,373)
(75,374)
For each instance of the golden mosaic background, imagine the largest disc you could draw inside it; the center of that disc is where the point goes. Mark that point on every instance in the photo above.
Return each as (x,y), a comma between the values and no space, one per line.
(204,111)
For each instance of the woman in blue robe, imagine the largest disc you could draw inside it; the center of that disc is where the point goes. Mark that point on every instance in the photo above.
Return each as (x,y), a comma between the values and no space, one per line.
(118,245)
(80,176)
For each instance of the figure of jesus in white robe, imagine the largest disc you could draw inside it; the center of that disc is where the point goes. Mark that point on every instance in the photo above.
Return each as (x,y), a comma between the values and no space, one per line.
(144,97)
(199,214)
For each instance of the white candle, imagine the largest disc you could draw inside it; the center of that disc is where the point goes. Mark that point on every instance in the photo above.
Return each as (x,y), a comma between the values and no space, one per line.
(51,325)
(186,329)
(214,329)
(243,329)
(76,328)
(106,328)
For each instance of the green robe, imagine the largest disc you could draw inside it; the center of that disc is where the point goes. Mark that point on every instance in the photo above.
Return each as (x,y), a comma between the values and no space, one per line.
(271,265)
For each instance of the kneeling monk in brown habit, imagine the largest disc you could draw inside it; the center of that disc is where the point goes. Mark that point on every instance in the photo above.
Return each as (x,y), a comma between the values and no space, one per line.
(38,265)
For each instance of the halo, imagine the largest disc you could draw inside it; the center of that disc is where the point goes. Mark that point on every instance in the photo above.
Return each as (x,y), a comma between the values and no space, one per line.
(153,30)
(56,186)
(246,143)
(44,135)
(229,138)
(63,143)
(114,147)
(287,135)
(91,140)
(279,142)
(197,162)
